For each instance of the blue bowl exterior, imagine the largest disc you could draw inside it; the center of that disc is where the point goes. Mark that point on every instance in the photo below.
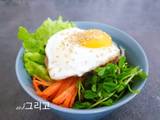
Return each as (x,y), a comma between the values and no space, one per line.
(135,54)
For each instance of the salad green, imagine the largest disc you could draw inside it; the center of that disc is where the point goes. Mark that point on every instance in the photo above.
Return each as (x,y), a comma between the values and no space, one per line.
(34,44)
(107,84)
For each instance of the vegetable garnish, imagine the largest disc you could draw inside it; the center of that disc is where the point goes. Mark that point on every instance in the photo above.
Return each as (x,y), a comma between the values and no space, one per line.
(39,84)
(107,84)
(59,92)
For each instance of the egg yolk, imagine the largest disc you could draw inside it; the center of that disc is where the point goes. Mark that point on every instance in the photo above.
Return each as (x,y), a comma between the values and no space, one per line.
(94,38)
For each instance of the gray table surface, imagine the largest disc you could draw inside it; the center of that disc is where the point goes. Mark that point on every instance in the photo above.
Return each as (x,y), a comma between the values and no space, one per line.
(139,18)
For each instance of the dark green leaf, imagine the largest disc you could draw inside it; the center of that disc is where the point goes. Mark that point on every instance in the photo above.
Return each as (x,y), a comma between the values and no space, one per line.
(100,94)
(100,71)
(111,68)
(90,94)
(82,105)
(94,79)
(109,86)
(107,103)
(104,93)
(94,88)
(121,87)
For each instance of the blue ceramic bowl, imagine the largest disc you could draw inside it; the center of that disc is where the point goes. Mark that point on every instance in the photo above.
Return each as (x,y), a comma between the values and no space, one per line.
(135,55)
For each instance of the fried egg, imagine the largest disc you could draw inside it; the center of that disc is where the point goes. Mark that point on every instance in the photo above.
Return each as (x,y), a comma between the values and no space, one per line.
(75,51)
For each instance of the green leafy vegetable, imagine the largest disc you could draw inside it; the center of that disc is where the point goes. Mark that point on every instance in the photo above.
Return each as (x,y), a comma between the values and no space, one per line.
(108,84)
(35,57)
(94,88)
(90,94)
(107,103)
(82,105)
(34,45)
(34,68)
(80,89)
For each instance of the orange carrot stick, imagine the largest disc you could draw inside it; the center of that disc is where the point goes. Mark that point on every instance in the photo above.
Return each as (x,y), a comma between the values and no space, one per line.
(61,98)
(60,92)
(51,90)
(70,99)
(67,83)
(36,87)
(41,81)
(73,98)
(37,82)
(67,101)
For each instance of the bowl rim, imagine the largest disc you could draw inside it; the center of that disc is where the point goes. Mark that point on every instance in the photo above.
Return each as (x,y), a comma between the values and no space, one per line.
(86,111)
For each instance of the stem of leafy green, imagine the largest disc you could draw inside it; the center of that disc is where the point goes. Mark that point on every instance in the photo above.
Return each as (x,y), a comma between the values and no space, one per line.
(133,91)
(131,77)
(104,99)
(80,89)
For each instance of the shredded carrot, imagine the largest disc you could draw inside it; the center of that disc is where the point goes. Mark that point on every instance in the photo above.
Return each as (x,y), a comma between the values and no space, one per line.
(67,97)
(73,98)
(41,81)
(67,83)
(37,82)
(51,90)
(70,99)
(67,101)
(36,87)
(61,98)
(61,92)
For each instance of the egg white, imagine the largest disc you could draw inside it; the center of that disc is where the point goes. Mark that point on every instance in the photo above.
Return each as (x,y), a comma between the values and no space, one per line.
(67,57)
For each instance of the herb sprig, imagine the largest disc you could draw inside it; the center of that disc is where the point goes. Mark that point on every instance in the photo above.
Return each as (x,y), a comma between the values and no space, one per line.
(108,84)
